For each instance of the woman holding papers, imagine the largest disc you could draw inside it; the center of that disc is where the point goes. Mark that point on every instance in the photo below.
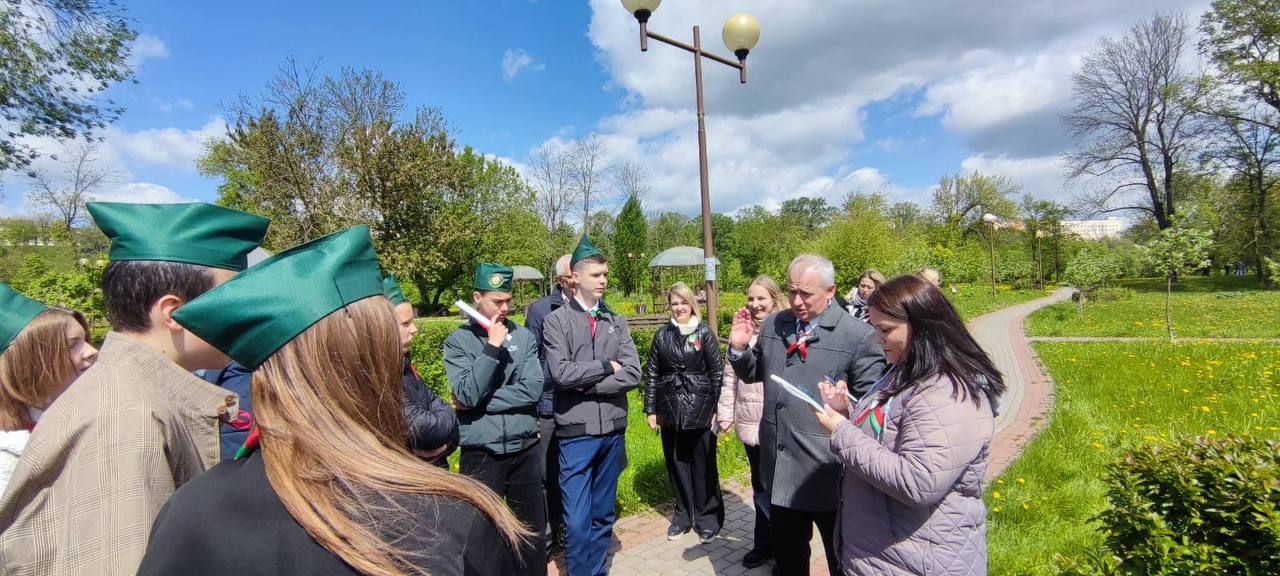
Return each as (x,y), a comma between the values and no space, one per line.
(915,448)
(682,387)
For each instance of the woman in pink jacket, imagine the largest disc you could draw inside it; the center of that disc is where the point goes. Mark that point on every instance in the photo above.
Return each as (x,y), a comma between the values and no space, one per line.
(916,446)
(741,405)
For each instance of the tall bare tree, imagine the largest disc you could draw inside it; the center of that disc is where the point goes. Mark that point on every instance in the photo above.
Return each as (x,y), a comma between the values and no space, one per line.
(630,179)
(65,194)
(1135,117)
(549,173)
(586,171)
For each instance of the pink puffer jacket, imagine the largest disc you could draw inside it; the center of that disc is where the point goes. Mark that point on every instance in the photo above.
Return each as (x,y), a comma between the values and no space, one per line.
(741,403)
(911,501)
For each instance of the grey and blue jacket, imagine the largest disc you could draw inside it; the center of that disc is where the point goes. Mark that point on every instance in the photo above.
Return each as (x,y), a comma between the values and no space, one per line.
(495,389)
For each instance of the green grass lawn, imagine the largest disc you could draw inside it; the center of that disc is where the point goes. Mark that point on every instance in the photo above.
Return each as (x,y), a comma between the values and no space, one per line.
(972,300)
(1109,396)
(1221,306)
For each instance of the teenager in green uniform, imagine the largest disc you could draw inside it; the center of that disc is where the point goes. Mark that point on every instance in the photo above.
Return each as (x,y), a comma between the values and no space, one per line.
(496,377)
(138,424)
(326,485)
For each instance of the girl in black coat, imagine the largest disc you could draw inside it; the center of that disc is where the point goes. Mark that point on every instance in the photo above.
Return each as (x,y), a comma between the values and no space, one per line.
(682,388)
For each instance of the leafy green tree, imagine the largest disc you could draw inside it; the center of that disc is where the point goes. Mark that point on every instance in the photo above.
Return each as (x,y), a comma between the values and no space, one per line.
(1174,251)
(808,213)
(1085,272)
(57,56)
(630,234)
(1242,39)
(960,200)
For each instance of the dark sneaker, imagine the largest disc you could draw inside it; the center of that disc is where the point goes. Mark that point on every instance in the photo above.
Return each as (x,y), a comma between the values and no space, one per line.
(755,559)
(706,536)
(674,532)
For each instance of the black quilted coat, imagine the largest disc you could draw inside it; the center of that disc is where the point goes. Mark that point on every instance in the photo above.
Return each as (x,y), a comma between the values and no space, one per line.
(682,383)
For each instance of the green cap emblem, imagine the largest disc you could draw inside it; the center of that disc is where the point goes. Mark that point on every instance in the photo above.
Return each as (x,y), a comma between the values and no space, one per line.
(493,277)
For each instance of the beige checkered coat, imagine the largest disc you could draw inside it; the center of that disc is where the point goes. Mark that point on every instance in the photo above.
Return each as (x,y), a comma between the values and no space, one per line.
(103,460)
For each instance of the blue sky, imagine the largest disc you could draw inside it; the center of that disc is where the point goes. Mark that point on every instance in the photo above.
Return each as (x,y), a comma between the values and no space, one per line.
(845,95)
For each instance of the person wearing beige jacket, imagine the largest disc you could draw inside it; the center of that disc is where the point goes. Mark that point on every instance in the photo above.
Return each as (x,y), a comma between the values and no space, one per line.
(915,447)
(740,407)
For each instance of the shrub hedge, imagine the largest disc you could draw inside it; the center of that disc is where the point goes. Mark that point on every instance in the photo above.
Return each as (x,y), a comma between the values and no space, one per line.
(1195,506)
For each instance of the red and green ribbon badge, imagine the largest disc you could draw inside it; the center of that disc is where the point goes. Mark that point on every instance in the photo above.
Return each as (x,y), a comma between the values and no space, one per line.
(877,418)
(250,444)
(799,345)
(693,341)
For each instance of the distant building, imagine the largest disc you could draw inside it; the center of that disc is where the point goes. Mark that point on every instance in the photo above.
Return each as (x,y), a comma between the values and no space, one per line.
(1095,229)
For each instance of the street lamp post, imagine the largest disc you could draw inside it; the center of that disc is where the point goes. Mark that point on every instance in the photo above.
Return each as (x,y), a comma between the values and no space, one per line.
(990,219)
(740,34)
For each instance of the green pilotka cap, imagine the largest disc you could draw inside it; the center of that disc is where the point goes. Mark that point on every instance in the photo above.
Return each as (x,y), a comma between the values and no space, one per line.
(493,277)
(260,310)
(391,289)
(16,311)
(194,233)
(585,249)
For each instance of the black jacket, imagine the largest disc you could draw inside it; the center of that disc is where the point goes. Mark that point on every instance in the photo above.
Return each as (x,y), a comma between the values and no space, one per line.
(431,423)
(230,521)
(682,383)
(534,320)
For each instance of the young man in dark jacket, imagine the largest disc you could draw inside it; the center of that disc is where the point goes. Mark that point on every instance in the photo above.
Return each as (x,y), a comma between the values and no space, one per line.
(497,381)
(594,362)
(547,444)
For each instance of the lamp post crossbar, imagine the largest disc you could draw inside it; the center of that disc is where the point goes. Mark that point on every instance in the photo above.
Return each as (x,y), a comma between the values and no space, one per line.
(713,299)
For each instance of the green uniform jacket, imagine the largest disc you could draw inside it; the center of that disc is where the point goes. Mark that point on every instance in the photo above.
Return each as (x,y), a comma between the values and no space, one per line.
(495,390)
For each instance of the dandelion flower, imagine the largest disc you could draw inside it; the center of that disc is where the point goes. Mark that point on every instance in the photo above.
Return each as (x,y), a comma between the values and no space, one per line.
(995,494)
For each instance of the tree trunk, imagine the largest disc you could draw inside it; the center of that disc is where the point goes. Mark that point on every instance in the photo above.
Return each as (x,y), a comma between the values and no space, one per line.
(1168,295)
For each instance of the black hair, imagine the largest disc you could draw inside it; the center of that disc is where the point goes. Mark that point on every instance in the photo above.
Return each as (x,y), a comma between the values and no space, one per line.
(131,287)
(939,345)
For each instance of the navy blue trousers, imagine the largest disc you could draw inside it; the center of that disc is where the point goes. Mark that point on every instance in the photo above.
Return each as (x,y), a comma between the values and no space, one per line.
(589,471)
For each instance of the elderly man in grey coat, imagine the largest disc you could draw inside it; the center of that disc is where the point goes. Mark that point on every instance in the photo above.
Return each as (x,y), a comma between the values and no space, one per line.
(811,341)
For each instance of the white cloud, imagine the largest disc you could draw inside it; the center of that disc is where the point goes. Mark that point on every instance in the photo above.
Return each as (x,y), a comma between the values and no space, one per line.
(171,147)
(140,193)
(994,73)
(516,60)
(168,106)
(147,47)
(1042,177)
(125,153)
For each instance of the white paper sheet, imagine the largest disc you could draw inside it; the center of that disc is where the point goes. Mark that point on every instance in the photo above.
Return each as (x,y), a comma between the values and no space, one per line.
(797,392)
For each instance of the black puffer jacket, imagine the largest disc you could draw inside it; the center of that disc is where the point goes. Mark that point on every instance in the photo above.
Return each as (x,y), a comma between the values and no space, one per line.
(682,383)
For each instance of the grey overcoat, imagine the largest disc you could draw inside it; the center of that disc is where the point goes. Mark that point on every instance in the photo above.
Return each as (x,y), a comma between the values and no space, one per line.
(797,466)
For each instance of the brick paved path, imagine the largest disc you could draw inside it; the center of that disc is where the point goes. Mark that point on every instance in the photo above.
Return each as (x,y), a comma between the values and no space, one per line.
(641,547)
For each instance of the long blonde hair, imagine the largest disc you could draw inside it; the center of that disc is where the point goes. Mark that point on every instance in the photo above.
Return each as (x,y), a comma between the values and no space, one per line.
(766,282)
(684,292)
(36,366)
(328,406)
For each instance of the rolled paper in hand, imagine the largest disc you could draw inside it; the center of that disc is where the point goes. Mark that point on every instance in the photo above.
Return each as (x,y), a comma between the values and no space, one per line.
(798,393)
(473,313)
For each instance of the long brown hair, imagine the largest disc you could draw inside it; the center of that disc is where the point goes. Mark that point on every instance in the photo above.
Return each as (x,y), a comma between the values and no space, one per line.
(35,367)
(328,405)
(939,343)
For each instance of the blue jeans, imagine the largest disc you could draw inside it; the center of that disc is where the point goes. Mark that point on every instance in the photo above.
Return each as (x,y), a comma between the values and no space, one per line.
(589,471)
